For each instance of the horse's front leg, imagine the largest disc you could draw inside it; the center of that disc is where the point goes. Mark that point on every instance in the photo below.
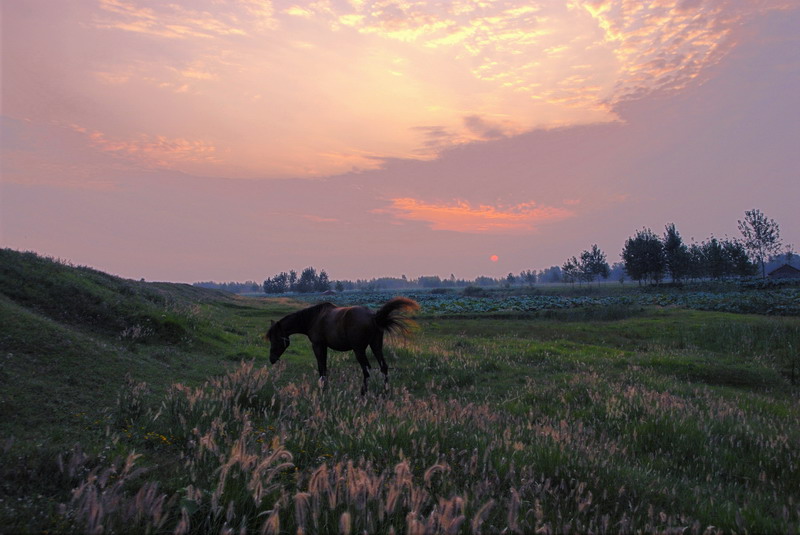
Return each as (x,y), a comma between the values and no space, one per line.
(321,352)
(361,357)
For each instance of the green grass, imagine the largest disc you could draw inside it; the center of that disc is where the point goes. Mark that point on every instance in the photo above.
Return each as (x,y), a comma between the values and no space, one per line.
(70,336)
(638,420)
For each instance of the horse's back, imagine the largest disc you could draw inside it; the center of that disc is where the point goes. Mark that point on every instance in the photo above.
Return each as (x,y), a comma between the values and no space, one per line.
(343,328)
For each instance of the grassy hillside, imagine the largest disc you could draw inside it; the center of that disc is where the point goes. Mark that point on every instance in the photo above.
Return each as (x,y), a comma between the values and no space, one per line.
(71,335)
(650,419)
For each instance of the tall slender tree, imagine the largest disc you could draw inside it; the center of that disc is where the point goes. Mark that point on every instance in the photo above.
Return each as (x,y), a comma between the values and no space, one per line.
(762,236)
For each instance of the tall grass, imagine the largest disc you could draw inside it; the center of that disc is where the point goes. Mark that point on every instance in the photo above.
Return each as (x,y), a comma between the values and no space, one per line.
(251,452)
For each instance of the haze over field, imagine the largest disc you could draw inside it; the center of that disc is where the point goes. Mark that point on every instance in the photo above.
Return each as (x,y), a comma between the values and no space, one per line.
(197,140)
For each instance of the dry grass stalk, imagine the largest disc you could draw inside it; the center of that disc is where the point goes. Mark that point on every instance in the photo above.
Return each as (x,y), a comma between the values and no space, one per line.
(345,523)
(480,516)
(272,525)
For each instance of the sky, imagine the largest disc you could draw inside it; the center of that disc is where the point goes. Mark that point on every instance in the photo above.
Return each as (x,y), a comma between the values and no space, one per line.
(230,140)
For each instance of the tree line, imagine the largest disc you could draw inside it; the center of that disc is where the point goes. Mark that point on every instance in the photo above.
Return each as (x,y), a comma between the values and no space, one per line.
(646,257)
(650,259)
(307,282)
(232,287)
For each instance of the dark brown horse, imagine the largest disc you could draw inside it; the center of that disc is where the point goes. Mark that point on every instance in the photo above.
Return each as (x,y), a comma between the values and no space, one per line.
(342,329)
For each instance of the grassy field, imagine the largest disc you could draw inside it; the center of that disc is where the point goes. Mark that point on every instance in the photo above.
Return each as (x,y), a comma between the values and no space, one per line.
(129,406)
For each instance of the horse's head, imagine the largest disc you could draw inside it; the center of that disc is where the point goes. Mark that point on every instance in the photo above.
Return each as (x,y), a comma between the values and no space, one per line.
(278,341)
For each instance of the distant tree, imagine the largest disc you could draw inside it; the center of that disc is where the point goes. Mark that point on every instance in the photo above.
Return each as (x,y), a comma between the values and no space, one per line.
(232,287)
(323,283)
(528,277)
(617,272)
(570,271)
(551,274)
(277,284)
(643,255)
(738,263)
(676,254)
(510,280)
(714,257)
(593,264)
(762,236)
(430,281)
(697,262)
(339,286)
(308,280)
(269,287)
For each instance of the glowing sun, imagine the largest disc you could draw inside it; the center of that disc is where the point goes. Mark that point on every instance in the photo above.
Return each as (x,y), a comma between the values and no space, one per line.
(494,258)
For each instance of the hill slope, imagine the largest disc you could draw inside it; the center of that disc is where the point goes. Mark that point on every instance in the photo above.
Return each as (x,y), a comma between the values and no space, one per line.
(70,335)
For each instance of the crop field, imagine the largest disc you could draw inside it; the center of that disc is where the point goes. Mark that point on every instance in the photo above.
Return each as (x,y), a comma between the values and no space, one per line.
(155,409)
(776,301)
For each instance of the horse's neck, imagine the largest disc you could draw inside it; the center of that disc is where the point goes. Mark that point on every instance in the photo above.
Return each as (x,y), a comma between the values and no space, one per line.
(294,326)
(297,323)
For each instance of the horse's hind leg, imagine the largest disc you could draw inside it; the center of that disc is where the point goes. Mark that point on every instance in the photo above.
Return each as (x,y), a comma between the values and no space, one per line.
(377,350)
(361,357)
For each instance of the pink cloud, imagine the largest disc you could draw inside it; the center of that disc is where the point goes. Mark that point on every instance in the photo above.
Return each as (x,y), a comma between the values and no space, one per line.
(158,151)
(667,44)
(461,216)
(198,19)
(319,88)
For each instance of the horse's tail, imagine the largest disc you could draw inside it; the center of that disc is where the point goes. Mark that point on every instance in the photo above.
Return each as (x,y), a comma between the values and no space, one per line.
(390,318)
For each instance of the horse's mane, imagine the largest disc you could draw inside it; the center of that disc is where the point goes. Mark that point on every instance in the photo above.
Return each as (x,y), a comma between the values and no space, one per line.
(303,318)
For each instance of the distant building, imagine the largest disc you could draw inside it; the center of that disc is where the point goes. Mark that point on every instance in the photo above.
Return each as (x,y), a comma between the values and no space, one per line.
(784,272)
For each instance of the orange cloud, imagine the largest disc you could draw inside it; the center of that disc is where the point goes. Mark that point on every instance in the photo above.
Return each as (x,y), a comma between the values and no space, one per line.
(153,151)
(461,216)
